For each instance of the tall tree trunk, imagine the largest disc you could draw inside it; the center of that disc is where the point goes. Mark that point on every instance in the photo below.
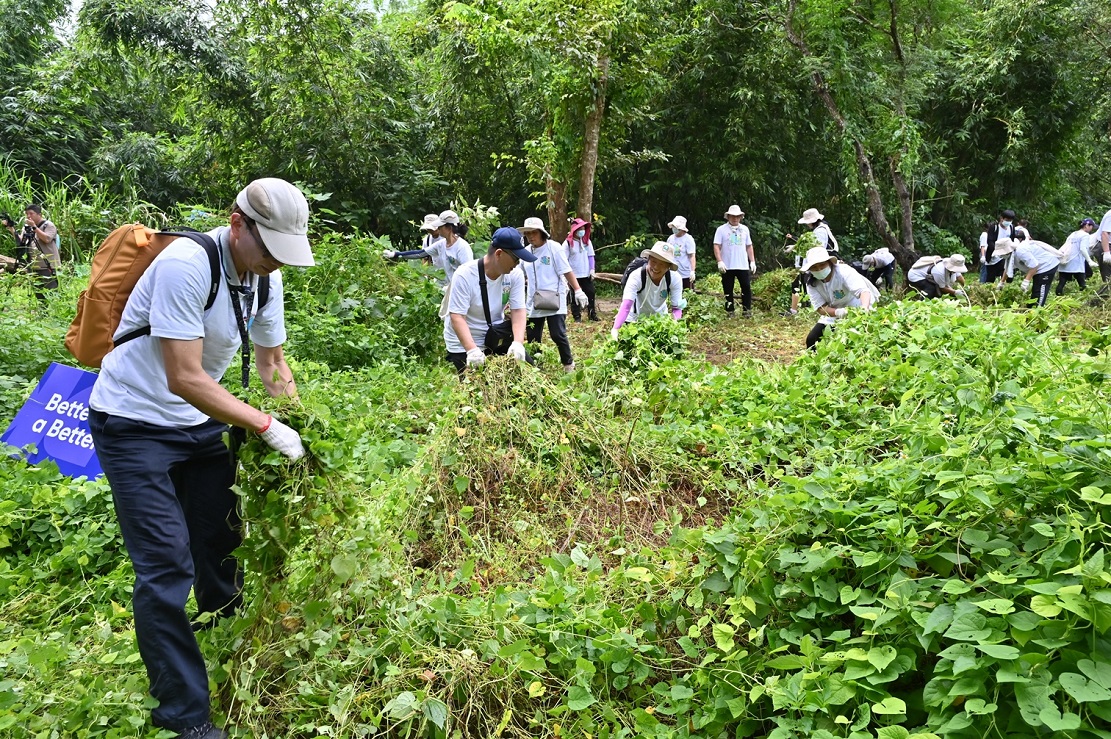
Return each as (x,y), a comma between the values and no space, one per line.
(557,207)
(906,207)
(904,255)
(592,136)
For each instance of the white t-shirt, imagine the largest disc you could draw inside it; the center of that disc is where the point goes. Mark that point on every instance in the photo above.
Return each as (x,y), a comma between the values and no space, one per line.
(578,257)
(452,256)
(825,237)
(170,298)
(920,274)
(1104,227)
(432,246)
(653,299)
(883,257)
(943,277)
(842,291)
(547,273)
(1030,256)
(684,248)
(734,242)
(465,298)
(1079,241)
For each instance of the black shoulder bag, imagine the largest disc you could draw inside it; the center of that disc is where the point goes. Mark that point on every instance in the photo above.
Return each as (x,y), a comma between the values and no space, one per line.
(498,335)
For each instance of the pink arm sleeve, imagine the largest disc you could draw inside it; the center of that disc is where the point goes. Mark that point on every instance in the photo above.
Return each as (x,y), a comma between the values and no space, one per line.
(626,306)
(677,313)
(591,257)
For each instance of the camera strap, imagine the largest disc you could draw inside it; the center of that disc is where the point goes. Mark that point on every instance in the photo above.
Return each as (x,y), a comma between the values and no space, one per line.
(242,310)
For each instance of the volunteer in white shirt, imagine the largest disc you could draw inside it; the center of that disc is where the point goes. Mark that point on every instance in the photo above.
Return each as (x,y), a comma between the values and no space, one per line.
(1038,266)
(940,277)
(474,327)
(816,222)
(652,289)
(993,266)
(158,420)
(432,246)
(683,244)
(1077,267)
(735,258)
(833,288)
(545,278)
(580,255)
(881,266)
(1104,256)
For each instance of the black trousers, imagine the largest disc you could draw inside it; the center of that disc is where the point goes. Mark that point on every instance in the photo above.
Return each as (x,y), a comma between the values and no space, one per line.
(587,285)
(1064,277)
(926,288)
(994,272)
(557,329)
(816,334)
(887,273)
(728,280)
(180,522)
(1104,268)
(1039,289)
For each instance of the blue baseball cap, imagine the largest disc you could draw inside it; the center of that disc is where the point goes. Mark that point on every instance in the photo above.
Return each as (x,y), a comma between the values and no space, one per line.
(509,239)
(1087,222)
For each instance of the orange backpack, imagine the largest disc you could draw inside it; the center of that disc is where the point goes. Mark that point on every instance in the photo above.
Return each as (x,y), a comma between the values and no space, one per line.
(119,262)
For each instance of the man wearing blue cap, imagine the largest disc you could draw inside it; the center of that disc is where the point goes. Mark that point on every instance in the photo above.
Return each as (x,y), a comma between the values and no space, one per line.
(480,292)
(1077,263)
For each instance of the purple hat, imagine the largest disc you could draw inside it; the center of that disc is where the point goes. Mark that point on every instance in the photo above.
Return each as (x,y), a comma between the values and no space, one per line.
(1087,222)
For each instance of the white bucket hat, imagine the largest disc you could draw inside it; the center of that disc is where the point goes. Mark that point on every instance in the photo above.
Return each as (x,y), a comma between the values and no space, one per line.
(678,222)
(534,224)
(956,264)
(734,210)
(449,217)
(816,255)
(811,215)
(281,214)
(431,222)
(663,251)
(1003,247)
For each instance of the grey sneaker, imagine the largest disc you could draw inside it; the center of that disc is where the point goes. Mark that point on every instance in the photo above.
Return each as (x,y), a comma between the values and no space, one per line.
(204,731)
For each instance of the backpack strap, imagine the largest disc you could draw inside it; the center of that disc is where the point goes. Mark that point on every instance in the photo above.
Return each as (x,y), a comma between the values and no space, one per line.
(485,297)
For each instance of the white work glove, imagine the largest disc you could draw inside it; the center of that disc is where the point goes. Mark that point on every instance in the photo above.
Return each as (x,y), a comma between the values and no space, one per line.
(1107,257)
(389,254)
(517,351)
(581,299)
(475,356)
(752,267)
(961,293)
(840,312)
(1025,285)
(282,438)
(613,333)
(721,267)
(593,274)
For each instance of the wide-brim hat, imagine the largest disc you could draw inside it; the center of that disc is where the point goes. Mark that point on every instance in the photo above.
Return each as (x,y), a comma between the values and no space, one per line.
(679,222)
(956,264)
(663,251)
(533,224)
(431,222)
(281,213)
(1003,247)
(811,215)
(509,239)
(734,210)
(815,255)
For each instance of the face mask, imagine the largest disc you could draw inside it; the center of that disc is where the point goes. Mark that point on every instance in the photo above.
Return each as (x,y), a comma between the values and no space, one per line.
(822,273)
(1006,223)
(580,233)
(674,230)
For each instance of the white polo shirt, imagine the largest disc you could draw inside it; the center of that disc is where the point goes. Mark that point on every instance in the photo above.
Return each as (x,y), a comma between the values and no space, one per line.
(507,291)
(451,257)
(578,257)
(1031,256)
(653,299)
(684,250)
(170,298)
(943,277)
(842,291)
(547,273)
(1079,241)
(734,242)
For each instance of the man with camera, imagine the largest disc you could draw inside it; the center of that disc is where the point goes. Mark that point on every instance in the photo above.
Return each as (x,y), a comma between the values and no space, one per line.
(37,246)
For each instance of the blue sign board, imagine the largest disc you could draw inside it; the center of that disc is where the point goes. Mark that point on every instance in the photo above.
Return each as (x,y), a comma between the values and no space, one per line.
(55,419)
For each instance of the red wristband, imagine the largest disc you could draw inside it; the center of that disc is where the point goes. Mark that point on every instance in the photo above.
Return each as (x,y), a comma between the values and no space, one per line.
(269,420)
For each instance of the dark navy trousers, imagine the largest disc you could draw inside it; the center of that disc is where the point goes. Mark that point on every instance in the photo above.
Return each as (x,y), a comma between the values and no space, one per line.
(180,522)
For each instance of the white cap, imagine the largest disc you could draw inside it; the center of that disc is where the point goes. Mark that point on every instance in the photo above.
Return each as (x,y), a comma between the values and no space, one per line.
(282,215)
(449,217)
(533,224)
(679,223)
(663,251)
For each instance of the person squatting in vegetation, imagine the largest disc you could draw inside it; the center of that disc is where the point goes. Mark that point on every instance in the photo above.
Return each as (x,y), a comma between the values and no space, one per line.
(547,300)
(158,419)
(833,288)
(736,259)
(992,265)
(652,289)
(683,243)
(1038,266)
(1078,263)
(881,266)
(448,248)
(933,277)
(821,230)
(36,246)
(1104,255)
(580,256)
(480,293)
